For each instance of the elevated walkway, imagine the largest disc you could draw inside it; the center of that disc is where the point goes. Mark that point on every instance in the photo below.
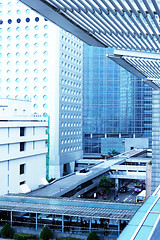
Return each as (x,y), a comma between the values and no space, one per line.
(146,222)
(72,181)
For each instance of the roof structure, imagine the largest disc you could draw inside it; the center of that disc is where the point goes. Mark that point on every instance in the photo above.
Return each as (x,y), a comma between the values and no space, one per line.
(145,223)
(58,206)
(128,25)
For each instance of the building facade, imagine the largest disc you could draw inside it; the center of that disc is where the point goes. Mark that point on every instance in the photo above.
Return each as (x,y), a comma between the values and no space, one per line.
(43,63)
(22,142)
(116,103)
(66,105)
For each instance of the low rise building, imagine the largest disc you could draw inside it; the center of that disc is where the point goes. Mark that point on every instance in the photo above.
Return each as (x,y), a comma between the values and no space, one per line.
(22,147)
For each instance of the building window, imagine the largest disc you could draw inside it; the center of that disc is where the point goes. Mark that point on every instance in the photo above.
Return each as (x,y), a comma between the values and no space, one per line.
(22,169)
(23,182)
(22,131)
(22,146)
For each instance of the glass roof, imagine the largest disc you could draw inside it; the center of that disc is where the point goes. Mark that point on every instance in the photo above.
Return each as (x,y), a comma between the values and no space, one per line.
(81,208)
(144,222)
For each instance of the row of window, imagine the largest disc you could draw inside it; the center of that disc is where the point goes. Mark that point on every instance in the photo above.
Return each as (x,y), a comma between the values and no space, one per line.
(71,132)
(71,149)
(71,116)
(22,130)
(70,41)
(65,141)
(71,124)
(27,71)
(70,99)
(71,83)
(71,108)
(17,80)
(19,19)
(26,88)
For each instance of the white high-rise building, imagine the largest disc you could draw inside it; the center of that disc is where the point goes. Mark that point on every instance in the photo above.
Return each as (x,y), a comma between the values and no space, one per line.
(22,147)
(43,63)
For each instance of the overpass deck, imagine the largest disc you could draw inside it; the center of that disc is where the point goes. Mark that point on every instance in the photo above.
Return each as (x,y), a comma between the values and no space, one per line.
(70,182)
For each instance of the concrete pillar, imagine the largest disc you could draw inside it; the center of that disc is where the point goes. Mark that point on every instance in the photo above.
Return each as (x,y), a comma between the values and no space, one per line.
(36,222)
(155,139)
(148,179)
(62,223)
(116,184)
(72,166)
(90,225)
(11,218)
(119,227)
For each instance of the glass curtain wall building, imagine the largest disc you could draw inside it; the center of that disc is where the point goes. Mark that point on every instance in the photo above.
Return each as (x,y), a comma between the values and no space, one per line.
(115,103)
(41,63)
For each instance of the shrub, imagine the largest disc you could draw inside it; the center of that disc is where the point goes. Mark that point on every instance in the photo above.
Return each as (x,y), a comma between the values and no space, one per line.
(92,236)
(6,231)
(24,236)
(46,233)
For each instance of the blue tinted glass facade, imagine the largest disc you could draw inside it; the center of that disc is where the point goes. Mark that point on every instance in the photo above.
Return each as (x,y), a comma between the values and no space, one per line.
(114,101)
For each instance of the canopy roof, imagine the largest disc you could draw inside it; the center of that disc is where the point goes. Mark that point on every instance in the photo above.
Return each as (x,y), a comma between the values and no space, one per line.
(121,24)
(81,208)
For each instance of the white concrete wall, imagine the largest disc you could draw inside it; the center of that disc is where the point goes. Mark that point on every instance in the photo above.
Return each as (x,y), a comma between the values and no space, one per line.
(15,107)
(4,133)
(33,156)
(3,177)
(35,170)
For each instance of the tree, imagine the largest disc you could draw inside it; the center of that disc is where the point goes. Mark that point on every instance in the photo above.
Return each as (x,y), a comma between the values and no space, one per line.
(105,184)
(92,236)
(113,153)
(46,233)
(6,231)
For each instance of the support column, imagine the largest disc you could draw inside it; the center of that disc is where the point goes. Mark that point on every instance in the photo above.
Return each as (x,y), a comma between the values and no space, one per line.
(90,225)
(116,184)
(155,139)
(36,222)
(119,227)
(11,218)
(62,223)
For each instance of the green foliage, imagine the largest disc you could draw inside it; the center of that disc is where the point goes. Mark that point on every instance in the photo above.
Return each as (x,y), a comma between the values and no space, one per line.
(105,184)
(113,153)
(24,236)
(6,231)
(92,236)
(46,233)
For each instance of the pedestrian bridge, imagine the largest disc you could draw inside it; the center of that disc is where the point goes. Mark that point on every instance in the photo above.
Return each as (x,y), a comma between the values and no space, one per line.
(82,181)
